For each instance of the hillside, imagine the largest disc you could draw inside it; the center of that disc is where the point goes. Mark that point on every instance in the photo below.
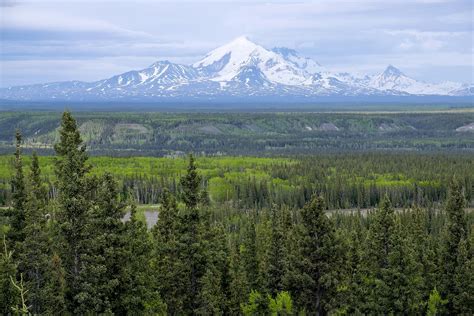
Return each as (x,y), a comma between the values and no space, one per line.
(265,134)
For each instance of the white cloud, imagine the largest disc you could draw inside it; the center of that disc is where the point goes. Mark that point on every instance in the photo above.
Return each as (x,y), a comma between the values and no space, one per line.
(105,36)
(30,18)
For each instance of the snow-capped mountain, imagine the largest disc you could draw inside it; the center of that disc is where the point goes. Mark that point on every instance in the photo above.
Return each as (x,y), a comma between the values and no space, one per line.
(226,62)
(239,68)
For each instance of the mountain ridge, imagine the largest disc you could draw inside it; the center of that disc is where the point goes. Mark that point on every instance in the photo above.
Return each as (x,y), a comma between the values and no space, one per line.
(238,68)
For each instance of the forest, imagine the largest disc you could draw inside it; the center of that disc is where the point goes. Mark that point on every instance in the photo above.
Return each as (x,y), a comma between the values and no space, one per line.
(247,133)
(235,235)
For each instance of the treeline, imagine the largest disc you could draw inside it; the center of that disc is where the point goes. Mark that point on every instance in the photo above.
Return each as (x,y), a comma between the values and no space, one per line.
(270,134)
(74,254)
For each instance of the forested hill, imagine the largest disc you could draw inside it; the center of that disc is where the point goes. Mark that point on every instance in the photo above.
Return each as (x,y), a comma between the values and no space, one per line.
(269,134)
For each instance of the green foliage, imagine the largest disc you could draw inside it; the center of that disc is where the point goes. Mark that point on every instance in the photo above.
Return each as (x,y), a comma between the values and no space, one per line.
(315,271)
(253,250)
(264,133)
(169,269)
(454,252)
(8,270)
(190,185)
(16,234)
(435,304)
(277,255)
(281,305)
(138,292)
(344,180)
(256,305)
(37,248)
(75,200)
(21,308)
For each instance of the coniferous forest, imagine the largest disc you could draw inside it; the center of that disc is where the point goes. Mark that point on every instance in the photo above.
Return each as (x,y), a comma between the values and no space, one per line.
(74,240)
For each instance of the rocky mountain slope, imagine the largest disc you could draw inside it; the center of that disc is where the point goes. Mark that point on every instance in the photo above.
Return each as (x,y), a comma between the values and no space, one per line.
(240,68)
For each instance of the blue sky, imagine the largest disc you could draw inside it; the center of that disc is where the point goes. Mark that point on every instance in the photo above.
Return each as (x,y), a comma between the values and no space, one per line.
(43,41)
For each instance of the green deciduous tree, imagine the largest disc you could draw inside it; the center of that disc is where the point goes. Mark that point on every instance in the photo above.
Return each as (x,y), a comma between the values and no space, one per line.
(257,304)
(281,305)
(435,304)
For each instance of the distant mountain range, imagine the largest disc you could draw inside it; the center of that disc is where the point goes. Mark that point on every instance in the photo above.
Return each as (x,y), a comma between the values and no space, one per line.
(240,68)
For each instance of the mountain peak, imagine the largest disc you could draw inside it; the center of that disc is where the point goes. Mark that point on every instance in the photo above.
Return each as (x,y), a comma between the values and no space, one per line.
(239,67)
(228,58)
(243,39)
(392,71)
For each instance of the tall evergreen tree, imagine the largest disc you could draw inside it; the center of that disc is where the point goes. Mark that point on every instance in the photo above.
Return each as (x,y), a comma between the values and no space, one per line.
(356,272)
(249,257)
(169,266)
(214,284)
(190,184)
(463,298)
(192,245)
(455,235)
(75,192)
(104,256)
(238,287)
(138,293)
(276,254)
(424,251)
(378,247)
(8,270)
(37,247)
(400,282)
(54,294)
(314,274)
(16,234)
(379,242)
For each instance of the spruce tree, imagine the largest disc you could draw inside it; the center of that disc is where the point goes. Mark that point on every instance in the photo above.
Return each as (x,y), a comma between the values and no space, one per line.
(37,246)
(314,274)
(249,257)
(400,283)
(238,287)
(214,284)
(8,270)
(190,184)
(191,242)
(379,239)
(424,250)
(54,294)
(463,298)
(75,192)
(455,235)
(276,254)
(104,256)
(378,247)
(356,272)
(169,267)
(16,234)
(138,293)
